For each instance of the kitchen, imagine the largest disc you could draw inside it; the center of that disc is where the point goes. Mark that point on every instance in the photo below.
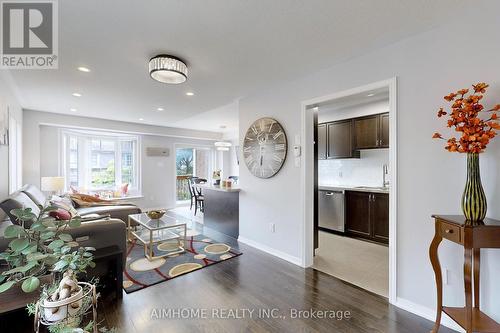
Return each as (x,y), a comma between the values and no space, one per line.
(353,190)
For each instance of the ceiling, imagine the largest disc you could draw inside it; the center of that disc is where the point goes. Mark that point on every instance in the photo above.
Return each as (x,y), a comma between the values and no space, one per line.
(232,48)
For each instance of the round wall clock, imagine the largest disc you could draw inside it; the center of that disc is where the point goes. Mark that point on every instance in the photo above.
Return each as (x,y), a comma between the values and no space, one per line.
(265,147)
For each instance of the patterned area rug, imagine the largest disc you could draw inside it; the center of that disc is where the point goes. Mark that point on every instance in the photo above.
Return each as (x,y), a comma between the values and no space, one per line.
(201,251)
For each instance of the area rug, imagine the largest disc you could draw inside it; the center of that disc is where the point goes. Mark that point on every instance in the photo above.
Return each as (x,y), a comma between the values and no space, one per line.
(201,251)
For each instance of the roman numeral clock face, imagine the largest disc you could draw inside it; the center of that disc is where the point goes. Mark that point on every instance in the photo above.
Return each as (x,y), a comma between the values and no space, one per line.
(265,147)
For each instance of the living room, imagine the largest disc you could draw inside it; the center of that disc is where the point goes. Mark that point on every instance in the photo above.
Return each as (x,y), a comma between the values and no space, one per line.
(157,166)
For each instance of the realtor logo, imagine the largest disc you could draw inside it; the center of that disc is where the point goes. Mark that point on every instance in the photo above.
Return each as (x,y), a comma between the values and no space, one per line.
(29,35)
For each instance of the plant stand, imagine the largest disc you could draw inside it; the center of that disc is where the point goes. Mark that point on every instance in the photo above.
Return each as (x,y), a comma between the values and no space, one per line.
(89,293)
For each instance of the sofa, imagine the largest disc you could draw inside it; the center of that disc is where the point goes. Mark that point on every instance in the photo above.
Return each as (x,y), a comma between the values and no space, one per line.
(97,233)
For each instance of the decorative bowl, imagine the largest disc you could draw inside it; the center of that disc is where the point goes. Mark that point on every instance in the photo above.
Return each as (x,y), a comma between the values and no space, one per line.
(155,214)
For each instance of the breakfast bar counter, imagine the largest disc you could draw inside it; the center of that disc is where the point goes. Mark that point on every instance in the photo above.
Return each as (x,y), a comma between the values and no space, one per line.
(221,208)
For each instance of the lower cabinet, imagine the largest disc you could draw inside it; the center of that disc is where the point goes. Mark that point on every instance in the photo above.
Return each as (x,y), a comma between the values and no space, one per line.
(367,215)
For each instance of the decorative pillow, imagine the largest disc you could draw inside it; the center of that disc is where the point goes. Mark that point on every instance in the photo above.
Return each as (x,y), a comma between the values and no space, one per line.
(124,189)
(64,203)
(61,214)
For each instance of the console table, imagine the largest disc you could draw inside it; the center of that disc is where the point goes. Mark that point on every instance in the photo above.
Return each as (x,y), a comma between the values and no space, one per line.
(473,237)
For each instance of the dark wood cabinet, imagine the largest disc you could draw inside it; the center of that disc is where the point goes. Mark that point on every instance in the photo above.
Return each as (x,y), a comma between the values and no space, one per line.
(371,132)
(340,141)
(366,132)
(379,214)
(322,141)
(357,207)
(384,130)
(367,215)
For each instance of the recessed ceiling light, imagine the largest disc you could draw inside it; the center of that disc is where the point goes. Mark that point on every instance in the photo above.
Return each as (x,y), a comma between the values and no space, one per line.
(160,109)
(168,69)
(370,95)
(76,94)
(222,144)
(83,69)
(73,110)
(141,119)
(189,93)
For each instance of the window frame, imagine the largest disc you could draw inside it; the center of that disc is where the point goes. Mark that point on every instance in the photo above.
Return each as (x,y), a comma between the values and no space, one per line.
(84,159)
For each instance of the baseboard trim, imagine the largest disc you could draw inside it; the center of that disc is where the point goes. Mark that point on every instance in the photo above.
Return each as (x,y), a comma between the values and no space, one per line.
(426,313)
(282,255)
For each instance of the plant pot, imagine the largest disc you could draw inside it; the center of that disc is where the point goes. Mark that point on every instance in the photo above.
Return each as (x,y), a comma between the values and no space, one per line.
(15,298)
(65,308)
(474,204)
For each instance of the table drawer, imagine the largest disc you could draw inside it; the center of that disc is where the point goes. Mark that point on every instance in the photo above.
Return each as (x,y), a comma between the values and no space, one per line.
(450,232)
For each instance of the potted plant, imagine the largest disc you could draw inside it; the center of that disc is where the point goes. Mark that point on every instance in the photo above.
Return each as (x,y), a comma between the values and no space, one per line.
(65,299)
(477,127)
(33,251)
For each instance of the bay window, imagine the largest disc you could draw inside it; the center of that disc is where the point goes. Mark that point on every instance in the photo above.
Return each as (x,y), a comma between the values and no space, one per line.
(99,161)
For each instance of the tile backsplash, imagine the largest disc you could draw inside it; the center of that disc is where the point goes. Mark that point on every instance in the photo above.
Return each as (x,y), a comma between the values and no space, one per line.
(365,171)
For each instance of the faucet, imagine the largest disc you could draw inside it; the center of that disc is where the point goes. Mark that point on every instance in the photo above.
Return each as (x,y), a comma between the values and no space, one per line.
(385,173)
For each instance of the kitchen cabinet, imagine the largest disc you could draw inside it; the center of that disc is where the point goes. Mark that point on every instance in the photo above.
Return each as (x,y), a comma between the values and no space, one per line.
(322,141)
(371,132)
(340,140)
(357,222)
(367,215)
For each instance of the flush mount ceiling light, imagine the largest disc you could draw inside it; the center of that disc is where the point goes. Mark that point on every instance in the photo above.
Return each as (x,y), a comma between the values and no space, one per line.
(83,69)
(76,94)
(222,144)
(370,95)
(168,69)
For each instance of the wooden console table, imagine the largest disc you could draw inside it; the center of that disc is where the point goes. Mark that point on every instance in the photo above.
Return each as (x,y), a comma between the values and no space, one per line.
(473,238)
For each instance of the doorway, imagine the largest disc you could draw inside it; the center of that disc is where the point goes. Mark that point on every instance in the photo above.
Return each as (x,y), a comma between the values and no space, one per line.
(191,162)
(310,174)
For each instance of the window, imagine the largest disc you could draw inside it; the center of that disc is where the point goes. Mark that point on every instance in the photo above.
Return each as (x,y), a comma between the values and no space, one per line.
(95,161)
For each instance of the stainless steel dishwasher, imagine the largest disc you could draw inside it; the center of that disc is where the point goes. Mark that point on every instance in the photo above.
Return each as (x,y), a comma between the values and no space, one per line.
(331,210)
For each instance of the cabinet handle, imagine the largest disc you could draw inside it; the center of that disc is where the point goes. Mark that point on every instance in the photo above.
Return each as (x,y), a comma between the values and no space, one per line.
(448,231)
(329,194)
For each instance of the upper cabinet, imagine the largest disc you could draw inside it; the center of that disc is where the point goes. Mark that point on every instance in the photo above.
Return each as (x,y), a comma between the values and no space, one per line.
(322,141)
(340,144)
(344,139)
(371,132)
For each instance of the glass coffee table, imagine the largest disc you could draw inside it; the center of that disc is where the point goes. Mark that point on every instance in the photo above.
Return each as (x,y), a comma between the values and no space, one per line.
(150,232)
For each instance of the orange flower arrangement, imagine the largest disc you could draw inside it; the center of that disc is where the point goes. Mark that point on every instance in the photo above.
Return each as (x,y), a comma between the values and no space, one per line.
(465,117)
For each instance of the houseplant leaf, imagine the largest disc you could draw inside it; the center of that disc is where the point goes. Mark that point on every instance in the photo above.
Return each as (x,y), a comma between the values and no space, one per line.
(55,244)
(65,237)
(46,235)
(75,222)
(6,286)
(19,244)
(30,284)
(13,231)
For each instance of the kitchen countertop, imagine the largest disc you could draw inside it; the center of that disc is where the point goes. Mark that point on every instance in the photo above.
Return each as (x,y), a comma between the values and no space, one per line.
(353,188)
(218,188)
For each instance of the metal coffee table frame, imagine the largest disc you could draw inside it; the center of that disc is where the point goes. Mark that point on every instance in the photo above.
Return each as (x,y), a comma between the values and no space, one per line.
(145,235)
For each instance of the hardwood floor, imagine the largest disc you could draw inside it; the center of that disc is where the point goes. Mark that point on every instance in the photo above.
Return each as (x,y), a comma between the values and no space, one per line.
(256,281)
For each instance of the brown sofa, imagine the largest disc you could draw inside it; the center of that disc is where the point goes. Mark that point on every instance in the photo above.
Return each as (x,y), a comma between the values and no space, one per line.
(98,233)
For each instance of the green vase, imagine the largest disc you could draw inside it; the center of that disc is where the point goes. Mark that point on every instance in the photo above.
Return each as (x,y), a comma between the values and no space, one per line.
(474,203)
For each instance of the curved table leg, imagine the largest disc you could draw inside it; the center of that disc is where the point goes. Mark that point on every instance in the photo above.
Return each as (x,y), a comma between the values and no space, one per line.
(436,266)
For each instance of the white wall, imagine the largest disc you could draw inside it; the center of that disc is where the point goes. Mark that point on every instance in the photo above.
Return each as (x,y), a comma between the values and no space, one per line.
(428,65)
(364,171)
(8,101)
(41,153)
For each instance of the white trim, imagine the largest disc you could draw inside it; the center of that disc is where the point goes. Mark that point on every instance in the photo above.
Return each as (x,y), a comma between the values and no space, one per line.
(271,251)
(426,313)
(307,176)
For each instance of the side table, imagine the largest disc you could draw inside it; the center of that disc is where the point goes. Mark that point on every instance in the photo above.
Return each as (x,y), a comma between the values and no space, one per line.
(473,237)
